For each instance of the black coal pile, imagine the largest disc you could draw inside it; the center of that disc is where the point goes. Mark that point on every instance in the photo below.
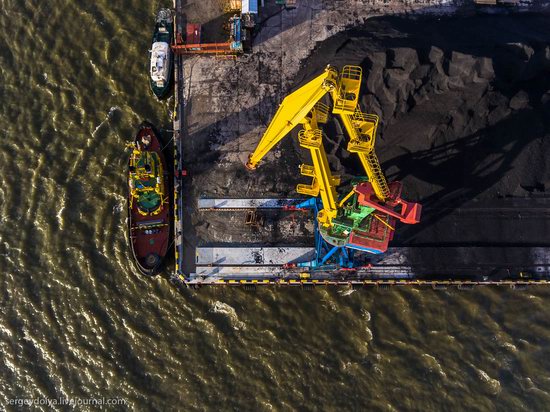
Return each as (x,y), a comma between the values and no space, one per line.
(464,103)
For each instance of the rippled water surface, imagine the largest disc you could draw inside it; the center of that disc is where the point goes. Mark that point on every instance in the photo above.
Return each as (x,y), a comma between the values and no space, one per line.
(77,322)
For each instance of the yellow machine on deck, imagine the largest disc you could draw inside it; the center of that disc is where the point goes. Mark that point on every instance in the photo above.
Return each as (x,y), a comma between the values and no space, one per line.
(146,182)
(304,106)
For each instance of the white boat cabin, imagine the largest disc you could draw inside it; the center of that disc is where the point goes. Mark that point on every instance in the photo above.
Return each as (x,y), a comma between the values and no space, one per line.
(160,63)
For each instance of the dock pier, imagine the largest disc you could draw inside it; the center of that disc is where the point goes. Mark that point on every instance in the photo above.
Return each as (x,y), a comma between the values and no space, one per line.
(178,119)
(453,257)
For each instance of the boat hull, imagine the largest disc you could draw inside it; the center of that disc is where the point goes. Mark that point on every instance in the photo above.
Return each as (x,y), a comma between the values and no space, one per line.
(149,235)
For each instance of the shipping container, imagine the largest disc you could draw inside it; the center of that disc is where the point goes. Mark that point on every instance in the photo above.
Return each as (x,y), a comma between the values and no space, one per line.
(193,33)
(249,6)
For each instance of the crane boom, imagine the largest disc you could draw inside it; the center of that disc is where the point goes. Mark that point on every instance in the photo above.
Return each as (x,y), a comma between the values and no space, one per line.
(293,109)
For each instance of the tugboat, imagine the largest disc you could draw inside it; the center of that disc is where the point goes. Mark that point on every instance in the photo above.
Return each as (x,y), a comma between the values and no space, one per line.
(161,59)
(148,201)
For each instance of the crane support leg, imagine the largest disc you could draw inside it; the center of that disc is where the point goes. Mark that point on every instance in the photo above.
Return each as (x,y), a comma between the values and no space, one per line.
(323,181)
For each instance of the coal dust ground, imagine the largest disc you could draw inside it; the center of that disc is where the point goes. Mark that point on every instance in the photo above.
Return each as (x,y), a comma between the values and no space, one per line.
(464,106)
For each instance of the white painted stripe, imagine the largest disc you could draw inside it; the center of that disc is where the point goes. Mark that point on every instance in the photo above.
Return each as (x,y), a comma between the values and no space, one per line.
(226,272)
(253,256)
(247,203)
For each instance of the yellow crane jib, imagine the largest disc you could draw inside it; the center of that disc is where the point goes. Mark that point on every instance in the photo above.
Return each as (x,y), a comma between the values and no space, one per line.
(293,109)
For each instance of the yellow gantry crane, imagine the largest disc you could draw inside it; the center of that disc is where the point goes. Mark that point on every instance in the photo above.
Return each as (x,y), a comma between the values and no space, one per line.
(361,127)
(304,106)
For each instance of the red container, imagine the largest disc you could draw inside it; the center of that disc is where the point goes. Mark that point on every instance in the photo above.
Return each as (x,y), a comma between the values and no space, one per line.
(193,32)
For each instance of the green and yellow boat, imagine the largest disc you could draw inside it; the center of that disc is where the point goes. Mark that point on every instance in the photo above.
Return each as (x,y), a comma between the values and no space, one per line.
(148,201)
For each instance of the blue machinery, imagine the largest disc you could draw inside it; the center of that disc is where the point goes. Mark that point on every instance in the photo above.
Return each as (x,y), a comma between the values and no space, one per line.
(235,37)
(328,256)
(323,250)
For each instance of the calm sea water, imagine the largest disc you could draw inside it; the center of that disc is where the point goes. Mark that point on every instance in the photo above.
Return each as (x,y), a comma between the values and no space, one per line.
(77,322)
